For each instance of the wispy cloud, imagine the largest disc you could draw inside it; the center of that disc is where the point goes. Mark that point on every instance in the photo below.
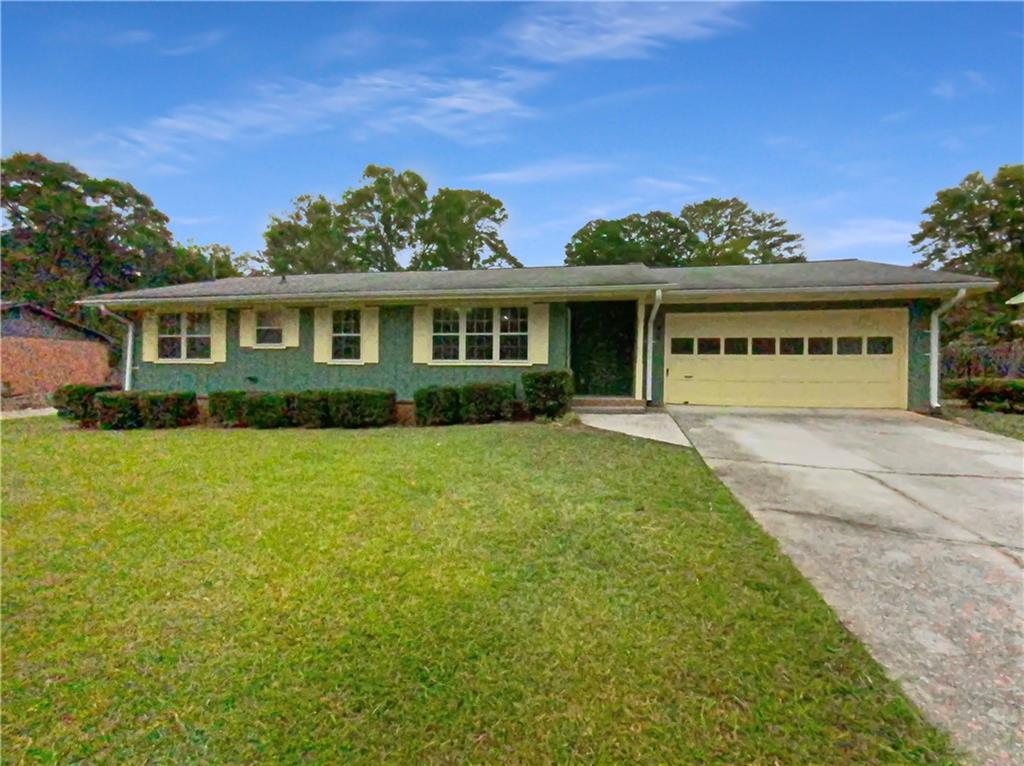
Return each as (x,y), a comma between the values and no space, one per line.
(465,109)
(860,232)
(963,84)
(894,118)
(651,185)
(128,37)
(196,43)
(614,30)
(551,170)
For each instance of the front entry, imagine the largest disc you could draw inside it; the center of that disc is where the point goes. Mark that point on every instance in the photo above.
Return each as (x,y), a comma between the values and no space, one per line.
(602,347)
(842,358)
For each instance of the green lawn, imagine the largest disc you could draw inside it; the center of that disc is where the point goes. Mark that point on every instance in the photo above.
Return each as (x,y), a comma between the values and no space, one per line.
(508,594)
(1003,423)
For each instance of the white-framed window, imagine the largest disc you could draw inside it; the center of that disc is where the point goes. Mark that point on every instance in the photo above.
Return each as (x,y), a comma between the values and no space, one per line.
(269,327)
(184,335)
(480,334)
(346,337)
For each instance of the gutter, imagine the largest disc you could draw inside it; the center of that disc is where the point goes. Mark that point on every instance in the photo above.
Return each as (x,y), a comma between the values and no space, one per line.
(933,351)
(130,342)
(906,287)
(650,345)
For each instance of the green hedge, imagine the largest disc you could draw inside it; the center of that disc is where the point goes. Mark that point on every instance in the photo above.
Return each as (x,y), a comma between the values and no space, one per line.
(227,407)
(346,408)
(77,402)
(269,410)
(170,410)
(999,394)
(438,406)
(485,402)
(119,410)
(361,407)
(548,393)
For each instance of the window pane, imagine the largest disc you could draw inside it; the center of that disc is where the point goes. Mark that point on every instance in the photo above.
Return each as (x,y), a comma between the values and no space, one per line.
(198,324)
(736,346)
(170,324)
(851,345)
(345,322)
(515,319)
(762,346)
(480,321)
(198,348)
(880,345)
(446,321)
(819,346)
(269,319)
(268,336)
(479,346)
(709,345)
(791,346)
(682,345)
(169,348)
(514,347)
(345,347)
(446,347)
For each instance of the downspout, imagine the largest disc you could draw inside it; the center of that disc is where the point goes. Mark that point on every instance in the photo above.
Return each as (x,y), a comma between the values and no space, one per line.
(933,351)
(650,345)
(130,350)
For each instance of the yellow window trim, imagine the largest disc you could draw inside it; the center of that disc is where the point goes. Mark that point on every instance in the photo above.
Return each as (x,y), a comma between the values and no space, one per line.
(218,336)
(289,328)
(369,334)
(538,330)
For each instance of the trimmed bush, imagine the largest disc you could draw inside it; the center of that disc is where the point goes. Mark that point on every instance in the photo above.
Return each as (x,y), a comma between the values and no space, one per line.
(170,410)
(484,402)
(268,410)
(227,407)
(999,394)
(310,409)
(515,409)
(76,402)
(438,406)
(119,410)
(548,393)
(361,407)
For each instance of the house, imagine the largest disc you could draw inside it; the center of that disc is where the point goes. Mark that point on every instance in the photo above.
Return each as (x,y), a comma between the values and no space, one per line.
(842,333)
(41,350)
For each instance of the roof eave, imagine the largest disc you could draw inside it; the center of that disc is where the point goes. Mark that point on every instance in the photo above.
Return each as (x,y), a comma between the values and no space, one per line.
(866,291)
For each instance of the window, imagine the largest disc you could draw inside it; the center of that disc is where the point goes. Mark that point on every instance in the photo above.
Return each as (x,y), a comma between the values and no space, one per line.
(269,328)
(736,346)
(791,346)
(682,346)
(709,345)
(346,341)
(819,346)
(762,346)
(481,334)
(880,345)
(849,346)
(183,336)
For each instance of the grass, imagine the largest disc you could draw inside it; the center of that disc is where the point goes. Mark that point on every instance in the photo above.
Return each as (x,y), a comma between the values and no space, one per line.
(1002,423)
(509,594)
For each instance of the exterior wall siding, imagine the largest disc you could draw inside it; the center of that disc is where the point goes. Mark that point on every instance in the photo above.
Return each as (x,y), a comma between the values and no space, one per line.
(917,344)
(293,369)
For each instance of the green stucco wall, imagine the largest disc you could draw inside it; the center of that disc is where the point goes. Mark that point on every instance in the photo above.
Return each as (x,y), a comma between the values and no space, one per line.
(293,369)
(917,345)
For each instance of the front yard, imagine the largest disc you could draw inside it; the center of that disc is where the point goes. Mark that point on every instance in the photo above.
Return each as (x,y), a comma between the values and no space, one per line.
(513,594)
(1002,423)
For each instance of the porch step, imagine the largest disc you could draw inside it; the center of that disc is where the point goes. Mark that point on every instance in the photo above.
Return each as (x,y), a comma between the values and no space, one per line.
(609,405)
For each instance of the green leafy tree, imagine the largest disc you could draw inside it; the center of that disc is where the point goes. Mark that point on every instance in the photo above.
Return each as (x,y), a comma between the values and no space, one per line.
(197,263)
(977,227)
(314,238)
(461,231)
(383,214)
(728,231)
(654,239)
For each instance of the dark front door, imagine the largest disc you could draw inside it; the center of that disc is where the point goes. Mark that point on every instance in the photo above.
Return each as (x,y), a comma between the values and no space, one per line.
(602,347)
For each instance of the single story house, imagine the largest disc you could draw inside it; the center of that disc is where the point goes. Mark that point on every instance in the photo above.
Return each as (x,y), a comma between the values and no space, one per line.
(843,333)
(40,350)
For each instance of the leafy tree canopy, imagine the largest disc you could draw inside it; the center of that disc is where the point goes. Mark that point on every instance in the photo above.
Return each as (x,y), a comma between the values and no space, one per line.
(460,231)
(714,232)
(977,227)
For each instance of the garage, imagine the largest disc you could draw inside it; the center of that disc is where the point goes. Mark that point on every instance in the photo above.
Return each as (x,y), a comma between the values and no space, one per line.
(834,358)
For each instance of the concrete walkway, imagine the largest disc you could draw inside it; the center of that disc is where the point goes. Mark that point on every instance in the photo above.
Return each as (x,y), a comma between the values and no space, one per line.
(657,426)
(30,413)
(912,528)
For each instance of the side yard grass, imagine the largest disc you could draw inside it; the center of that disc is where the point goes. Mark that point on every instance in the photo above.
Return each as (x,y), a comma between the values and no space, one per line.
(1002,423)
(507,594)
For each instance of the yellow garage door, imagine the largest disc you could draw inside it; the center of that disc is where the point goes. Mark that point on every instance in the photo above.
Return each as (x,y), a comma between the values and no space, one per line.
(847,358)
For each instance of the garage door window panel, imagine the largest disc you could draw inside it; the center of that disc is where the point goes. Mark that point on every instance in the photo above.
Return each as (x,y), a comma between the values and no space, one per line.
(736,346)
(709,346)
(762,346)
(879,345)
(819,346)
(682,346)
(849,346)
(791,346)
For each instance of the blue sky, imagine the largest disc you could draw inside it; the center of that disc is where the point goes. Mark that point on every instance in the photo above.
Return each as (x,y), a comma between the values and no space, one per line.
(842,118)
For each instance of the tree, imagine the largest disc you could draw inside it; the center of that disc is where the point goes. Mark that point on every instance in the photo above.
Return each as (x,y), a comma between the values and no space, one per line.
(315,238)
(977,227)
(460,231)
(654,239)
(383,214)
(728,231)
(197,263)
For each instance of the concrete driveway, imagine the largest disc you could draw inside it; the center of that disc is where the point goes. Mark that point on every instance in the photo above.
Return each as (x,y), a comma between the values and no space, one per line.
(912,528)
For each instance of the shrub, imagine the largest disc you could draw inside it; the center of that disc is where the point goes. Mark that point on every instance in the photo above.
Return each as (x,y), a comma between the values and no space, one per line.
(437,406)
(361,407)
(268,410)
(310,409)
(1000,394)
(227,407)
(168,410)
(515,409)
(484,402)
(119,410)
(548,393)
(76,402)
